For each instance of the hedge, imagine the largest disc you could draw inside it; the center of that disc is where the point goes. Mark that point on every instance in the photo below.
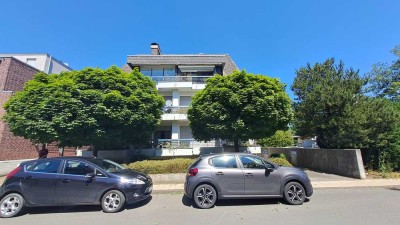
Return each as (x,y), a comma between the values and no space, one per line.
(177,165)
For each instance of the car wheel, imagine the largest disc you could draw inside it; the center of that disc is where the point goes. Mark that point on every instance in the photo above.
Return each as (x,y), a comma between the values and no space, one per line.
(294,193)
(205,196)
(113,201)
(11,205)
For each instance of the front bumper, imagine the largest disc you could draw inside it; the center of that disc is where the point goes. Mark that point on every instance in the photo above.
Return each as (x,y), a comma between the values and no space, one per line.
(138,194)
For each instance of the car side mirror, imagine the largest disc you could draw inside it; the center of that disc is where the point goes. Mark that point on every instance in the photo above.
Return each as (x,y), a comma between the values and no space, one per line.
(269,169)
(90,175)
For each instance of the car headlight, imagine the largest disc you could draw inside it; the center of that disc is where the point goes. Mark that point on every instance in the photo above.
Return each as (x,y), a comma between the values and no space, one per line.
(131,181)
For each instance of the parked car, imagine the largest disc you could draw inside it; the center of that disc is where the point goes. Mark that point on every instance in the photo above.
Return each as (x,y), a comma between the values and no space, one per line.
(72,181)
(242,175)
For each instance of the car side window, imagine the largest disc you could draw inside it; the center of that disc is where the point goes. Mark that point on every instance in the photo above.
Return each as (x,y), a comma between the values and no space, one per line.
(77,168)
(224,161)
(44,167)
(251,162)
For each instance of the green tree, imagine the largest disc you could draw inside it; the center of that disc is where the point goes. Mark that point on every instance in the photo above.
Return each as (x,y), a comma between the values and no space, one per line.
(331,105)
(239,106)
(325,96)
(281,138)
(385,78)
(102,108)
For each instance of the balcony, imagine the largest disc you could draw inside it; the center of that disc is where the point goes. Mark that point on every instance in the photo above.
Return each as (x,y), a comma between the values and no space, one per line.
(184,144)
(175,109)
(192,79)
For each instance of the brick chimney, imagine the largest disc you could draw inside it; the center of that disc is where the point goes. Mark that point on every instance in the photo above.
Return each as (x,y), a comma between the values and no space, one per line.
(155,49)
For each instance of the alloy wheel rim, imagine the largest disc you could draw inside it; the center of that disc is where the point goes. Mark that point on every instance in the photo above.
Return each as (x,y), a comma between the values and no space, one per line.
(295,193)
(10,206)
(112,201)
(205,196)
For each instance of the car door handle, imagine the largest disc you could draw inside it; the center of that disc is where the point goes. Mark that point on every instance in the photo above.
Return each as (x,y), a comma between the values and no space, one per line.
(219,173)
(66,180)
(249,175)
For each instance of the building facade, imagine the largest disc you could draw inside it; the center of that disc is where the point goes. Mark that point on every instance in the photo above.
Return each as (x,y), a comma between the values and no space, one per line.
(43,62)
(14,73)
(178,78)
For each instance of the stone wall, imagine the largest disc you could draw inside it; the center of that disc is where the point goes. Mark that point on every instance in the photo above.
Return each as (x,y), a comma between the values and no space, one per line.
(345,162)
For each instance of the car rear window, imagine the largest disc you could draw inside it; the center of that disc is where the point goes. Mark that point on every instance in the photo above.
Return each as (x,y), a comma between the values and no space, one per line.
(196,162)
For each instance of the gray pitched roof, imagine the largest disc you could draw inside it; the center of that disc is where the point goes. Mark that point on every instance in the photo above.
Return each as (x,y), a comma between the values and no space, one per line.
(199,59)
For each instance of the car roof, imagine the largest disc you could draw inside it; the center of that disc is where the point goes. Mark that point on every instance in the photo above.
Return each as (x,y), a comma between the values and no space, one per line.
(224,153)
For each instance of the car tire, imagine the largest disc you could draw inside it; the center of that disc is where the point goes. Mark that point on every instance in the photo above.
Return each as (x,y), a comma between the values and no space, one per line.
(11,205)
(205,196)
(294,193)
(113,201)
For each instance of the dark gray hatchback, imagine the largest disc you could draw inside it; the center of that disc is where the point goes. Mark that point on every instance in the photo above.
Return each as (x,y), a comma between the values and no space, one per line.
(72,181)
(242,175)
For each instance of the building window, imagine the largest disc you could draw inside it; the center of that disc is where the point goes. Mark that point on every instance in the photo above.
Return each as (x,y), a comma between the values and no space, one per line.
(31,61)
(158,71)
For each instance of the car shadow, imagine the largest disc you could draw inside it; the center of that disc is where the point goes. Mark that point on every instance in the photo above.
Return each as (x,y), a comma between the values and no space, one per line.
(239,202)
(79,208)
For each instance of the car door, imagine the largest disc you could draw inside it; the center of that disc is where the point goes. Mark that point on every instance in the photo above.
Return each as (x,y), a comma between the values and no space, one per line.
(227,174)
(39,181)
(258,179)
(74,187)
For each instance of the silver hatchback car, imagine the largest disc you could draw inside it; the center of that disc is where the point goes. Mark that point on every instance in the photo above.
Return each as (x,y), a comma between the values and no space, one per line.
(242,175)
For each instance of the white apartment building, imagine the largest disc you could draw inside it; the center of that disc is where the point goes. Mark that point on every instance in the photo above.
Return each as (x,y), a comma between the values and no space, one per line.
(178,78)
(43,62)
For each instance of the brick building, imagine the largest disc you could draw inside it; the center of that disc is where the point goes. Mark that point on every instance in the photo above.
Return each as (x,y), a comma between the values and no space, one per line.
(14,73)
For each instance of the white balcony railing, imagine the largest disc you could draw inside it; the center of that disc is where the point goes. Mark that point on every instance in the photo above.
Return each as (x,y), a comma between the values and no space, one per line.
(185,143)
(193,79)
(175,109)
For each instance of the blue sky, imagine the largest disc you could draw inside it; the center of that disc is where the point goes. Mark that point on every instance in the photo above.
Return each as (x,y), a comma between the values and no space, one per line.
(268,37)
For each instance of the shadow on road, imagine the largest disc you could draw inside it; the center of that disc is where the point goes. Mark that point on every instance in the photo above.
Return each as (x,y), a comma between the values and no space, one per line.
(83,208)
(239,202)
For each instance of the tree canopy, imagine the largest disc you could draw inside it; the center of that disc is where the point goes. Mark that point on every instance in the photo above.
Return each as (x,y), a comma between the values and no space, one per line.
(385,78)
(330,104)
(325,96)
(281,138)
(104,108)
(239,106)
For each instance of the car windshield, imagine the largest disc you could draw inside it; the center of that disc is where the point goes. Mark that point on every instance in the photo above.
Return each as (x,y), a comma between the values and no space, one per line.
(108,165)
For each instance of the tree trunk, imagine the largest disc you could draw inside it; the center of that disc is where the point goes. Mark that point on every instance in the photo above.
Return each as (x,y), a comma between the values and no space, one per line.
(61,151)
(94,151)
(236,144)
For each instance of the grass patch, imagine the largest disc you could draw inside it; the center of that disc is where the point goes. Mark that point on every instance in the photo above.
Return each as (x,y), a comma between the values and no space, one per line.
(379,175)
(177,165)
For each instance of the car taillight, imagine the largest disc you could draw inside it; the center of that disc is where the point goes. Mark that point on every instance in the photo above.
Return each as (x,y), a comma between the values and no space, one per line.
(193,172)
(13,172)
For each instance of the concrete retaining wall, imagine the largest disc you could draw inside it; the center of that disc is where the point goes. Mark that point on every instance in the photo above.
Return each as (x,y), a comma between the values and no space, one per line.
(345,162)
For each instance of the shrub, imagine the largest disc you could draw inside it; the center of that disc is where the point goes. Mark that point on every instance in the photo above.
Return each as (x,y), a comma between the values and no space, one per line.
(177,165)
(281,162)
(278,155)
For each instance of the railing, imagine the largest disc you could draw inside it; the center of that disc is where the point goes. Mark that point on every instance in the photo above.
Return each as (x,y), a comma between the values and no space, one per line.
(193,79)
(176,109)
(184,143)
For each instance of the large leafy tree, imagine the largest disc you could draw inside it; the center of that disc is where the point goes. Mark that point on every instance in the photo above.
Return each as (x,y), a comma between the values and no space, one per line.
(331,105)
(102,108)
(325,95)
(385,78)
(239,106)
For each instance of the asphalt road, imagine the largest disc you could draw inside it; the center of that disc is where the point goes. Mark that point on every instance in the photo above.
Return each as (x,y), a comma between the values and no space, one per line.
(327,206)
